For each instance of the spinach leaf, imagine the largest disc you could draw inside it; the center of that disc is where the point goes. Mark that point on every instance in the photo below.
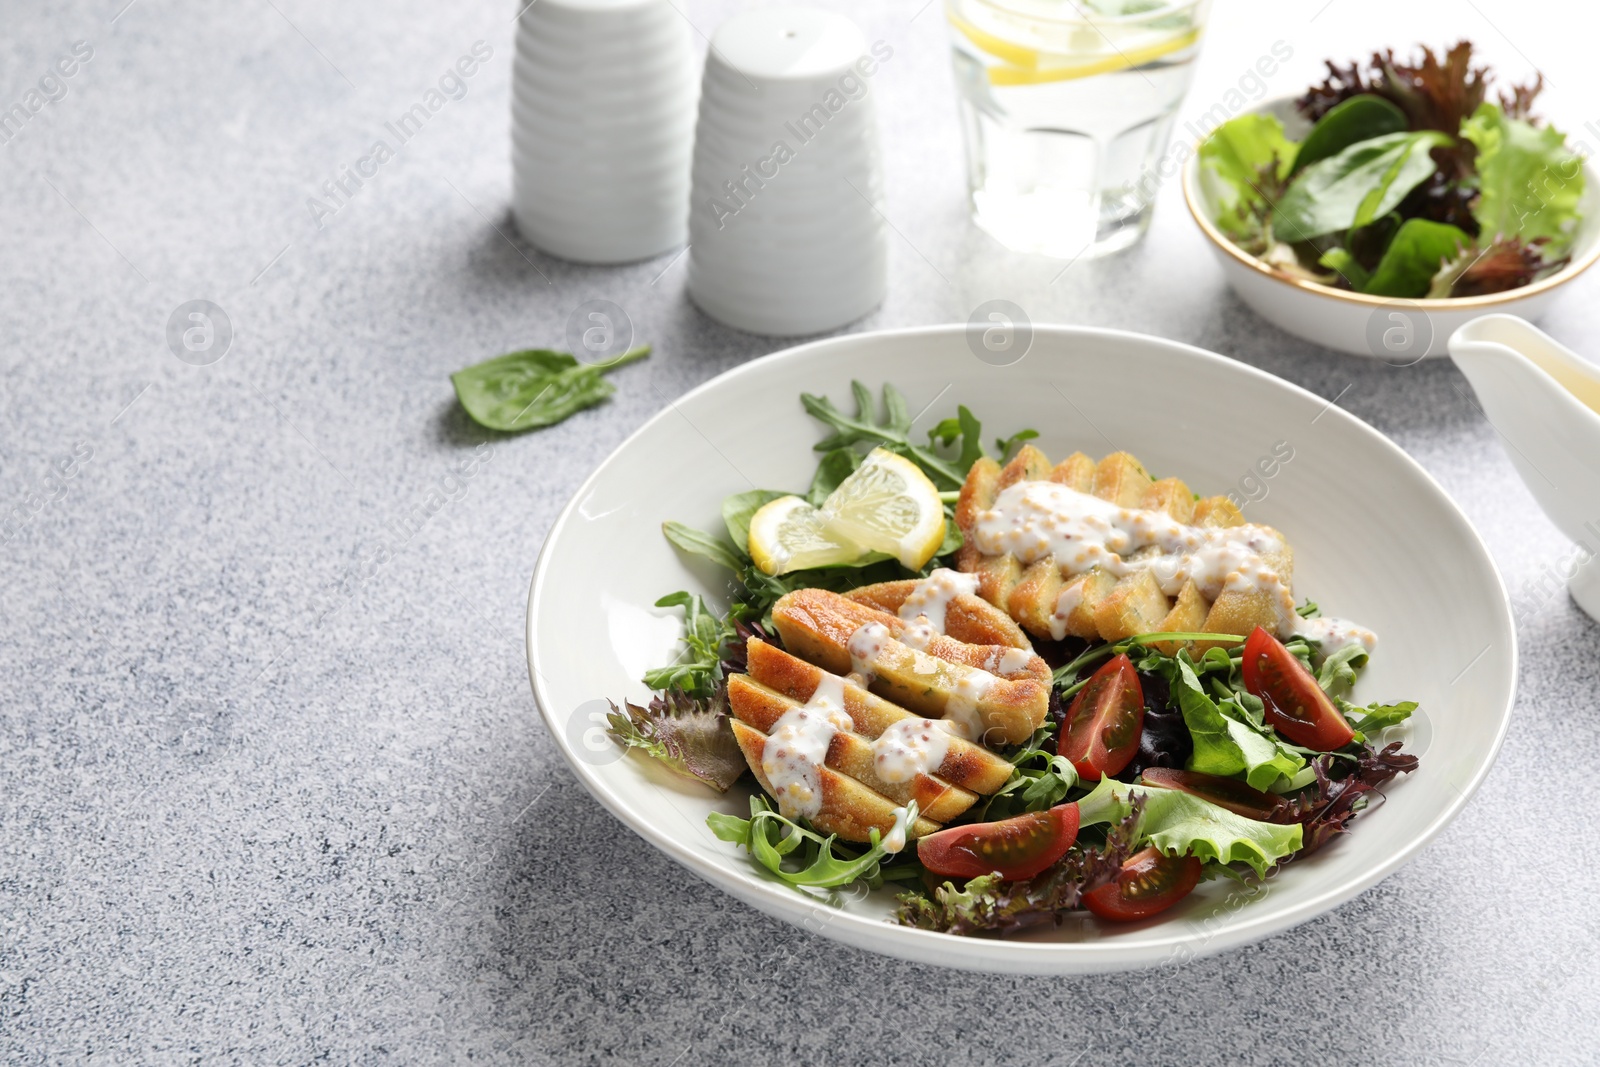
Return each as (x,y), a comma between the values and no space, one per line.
(1419,250)
(536,387)
(739,509)
(834,468)
(1349,190)
(1227,740)
(1359,118)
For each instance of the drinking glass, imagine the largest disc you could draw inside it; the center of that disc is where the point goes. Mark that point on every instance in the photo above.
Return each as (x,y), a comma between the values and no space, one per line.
(1066,108)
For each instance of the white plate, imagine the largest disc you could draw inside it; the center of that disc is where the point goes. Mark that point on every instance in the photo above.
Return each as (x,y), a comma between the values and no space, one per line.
(1375,539)
(1397,331)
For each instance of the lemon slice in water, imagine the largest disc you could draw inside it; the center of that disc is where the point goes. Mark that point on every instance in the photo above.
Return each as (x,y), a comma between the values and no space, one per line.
(1024,65)
(787,534)
(890,506)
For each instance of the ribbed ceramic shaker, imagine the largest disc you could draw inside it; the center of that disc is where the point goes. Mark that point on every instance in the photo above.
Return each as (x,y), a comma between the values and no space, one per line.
(785,234)
(602,111)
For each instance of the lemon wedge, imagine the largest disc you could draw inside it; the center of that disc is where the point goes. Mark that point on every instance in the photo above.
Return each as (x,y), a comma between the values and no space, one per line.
(888,505)
(787,534)
(1024,65)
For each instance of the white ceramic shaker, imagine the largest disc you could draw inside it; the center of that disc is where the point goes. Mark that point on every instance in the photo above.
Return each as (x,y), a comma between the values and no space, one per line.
(785,234)
(602,118)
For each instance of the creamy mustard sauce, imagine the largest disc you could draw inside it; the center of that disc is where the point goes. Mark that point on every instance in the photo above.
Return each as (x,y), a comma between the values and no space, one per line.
(910,747)
(797,747)
(931,597)
(895,839)
(1336,634)
(1042,520)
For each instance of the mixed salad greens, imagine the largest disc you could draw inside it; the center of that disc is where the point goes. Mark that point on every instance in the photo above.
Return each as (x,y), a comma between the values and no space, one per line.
(1409,184)
(1209,783)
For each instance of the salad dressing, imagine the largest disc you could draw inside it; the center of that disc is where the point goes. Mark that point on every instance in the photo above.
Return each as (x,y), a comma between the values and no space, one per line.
(797,747)
(895,839)
(931,597)
(910,747)
(1042,520)
(1336,634)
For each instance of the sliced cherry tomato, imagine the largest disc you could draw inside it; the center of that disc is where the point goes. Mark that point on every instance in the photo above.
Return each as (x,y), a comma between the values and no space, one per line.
(1148,883)
(1229,793)
(1015,848)
(1101,733)
(1296,705)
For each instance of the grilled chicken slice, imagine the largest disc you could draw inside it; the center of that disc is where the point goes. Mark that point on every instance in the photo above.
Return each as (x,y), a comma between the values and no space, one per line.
(853,755)
(1048,602)
(965,764)
(967,617)
(997,693)
(848,808)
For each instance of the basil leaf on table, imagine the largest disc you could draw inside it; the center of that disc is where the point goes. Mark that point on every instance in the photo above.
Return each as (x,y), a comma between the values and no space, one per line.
(1418,251)
(535,387)
(1359,118)
(1349,190)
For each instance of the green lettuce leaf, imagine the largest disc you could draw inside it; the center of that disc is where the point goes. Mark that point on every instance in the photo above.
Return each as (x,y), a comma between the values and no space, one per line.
(1418,251)
(1530,182)
(1349,190)
(798,855)
(1177,822)
(1235,160)
(1228,744)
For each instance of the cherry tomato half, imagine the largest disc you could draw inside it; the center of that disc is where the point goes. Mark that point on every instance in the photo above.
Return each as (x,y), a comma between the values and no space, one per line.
(1015,848)
(1296,705)
(1101,734)
(1148,883)
(1229,793)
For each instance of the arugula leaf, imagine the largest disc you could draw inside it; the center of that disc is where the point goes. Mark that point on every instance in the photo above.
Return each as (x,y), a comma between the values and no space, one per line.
(1349,190)
(1419,250)
(770,838)
(1227,744)
(892,431)
(1006,447)
(1338,672)
(1360,118)
(698,670)
(535,387)
(966,428)
(1529,180)
(1375,718)
(1180,823)
(691,736)
(1242,165)
(696,543)
(1042,779)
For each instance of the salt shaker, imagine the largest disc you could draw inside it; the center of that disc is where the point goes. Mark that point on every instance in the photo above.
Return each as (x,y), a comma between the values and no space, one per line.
(785,233)
(603,109)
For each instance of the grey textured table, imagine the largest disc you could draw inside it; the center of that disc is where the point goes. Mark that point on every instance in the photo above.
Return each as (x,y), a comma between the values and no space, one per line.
(272,785)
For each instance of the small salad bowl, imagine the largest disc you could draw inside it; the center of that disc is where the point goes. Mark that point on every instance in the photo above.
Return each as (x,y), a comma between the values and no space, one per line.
(1399,331)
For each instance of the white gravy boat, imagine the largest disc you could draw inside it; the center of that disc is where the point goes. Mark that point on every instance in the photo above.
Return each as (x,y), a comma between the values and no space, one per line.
(1544,401)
